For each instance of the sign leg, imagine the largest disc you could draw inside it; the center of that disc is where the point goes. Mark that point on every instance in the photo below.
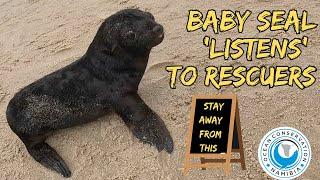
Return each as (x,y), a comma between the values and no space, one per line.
(203,161)
(227,168)
(240,141)
(243,164)
(186,171)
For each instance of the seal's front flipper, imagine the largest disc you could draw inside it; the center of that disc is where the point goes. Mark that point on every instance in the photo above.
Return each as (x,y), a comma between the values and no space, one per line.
(152,130)
(145,124)
(48,157)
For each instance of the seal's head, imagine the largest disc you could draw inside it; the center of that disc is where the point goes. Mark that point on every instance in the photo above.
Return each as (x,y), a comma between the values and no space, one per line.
(132,30)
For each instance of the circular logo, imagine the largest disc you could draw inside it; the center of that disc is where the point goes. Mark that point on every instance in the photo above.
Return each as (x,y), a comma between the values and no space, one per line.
(284,153)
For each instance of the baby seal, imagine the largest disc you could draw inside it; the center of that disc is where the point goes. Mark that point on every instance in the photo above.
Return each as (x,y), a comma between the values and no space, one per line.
(104,79)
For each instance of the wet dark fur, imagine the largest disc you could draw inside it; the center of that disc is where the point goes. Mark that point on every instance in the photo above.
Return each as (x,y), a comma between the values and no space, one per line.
(105,79)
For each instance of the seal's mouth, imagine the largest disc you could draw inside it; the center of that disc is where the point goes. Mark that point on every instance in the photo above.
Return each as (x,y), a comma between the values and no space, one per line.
(158,30)
(158,35)
(156,40)
(161,36)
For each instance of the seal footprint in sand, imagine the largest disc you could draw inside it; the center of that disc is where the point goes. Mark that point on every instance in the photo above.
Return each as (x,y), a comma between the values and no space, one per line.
(104,79)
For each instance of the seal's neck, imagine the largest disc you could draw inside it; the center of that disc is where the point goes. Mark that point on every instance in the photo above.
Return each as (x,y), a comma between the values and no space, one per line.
(109,67)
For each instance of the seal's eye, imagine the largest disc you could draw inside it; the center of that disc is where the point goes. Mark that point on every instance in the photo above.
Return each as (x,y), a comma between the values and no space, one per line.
(130,35)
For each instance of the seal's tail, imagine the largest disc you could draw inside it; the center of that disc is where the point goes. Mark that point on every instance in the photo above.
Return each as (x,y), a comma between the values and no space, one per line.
(48,157)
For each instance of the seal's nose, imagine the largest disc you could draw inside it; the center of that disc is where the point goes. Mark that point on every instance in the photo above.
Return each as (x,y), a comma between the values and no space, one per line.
(158,29)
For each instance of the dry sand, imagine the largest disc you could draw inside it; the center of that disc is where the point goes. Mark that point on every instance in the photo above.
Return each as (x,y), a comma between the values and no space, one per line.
(40,36)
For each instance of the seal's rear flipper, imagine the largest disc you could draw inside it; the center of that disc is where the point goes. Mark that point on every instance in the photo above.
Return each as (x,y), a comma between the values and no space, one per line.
(48,157)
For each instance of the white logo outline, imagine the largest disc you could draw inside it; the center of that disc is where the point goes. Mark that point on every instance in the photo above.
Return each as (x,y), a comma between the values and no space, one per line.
(277,135)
